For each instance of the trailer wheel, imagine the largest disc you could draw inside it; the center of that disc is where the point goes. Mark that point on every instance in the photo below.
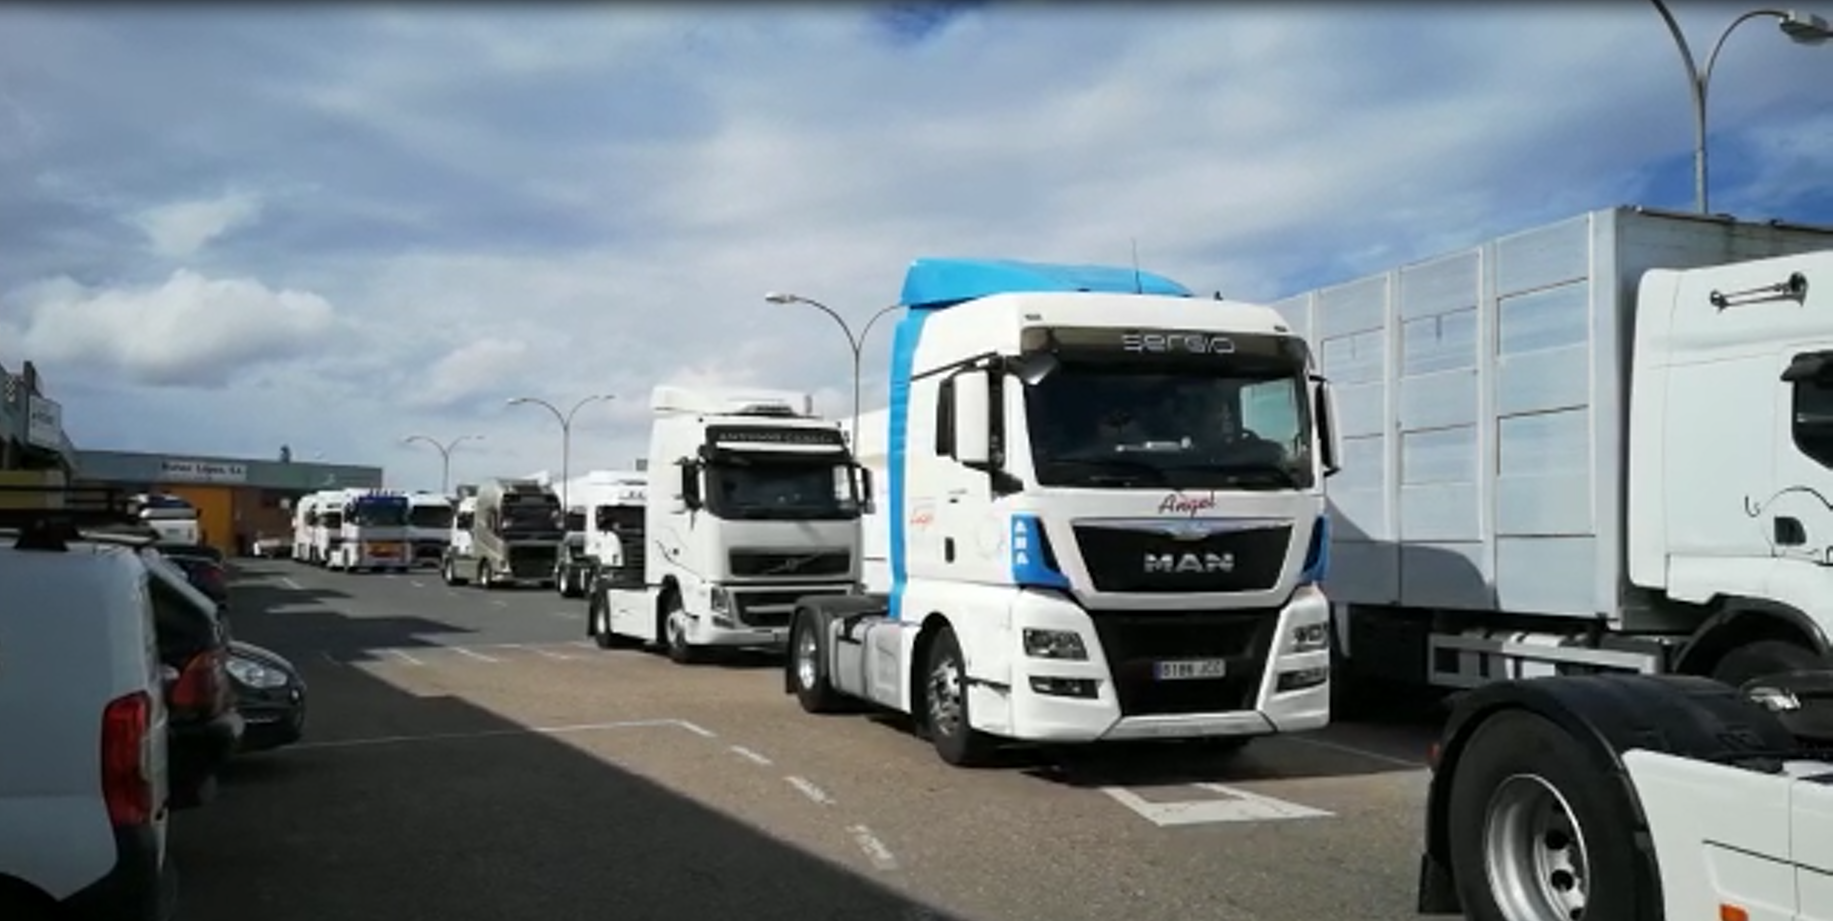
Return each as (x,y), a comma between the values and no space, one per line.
(1535,833)
(808,667)
(1763,659)
(945,713)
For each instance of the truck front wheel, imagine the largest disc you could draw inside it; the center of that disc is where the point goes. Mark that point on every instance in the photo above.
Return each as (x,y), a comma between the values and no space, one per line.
(1534,833)
(808,668)
(945,707)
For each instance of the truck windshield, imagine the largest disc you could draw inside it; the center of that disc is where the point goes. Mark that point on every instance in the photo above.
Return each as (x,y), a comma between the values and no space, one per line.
(379,514)
(331,520)
(537,515)
(618,517)
(800,488)
(575,521)
(430,516)
(1133,425)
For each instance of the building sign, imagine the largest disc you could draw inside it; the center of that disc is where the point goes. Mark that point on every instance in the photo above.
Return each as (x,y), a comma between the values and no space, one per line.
(176,470)
(44,423)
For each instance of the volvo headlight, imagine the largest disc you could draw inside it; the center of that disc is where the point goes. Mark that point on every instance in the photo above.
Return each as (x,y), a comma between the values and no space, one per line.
(1054,644)
(254,674)
(1310,637)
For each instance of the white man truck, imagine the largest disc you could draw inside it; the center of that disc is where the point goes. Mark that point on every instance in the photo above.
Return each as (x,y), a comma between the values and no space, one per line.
(1563,456)
(429,526)
(318,526)
(754,503)
(600,503)
(374,532)
(1103,518)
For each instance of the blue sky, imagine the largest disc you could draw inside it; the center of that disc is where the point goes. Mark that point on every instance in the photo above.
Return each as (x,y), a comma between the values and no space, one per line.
(223,229)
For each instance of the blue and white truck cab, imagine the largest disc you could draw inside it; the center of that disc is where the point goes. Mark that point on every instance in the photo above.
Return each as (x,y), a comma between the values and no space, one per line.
(374,532)
(1103,518)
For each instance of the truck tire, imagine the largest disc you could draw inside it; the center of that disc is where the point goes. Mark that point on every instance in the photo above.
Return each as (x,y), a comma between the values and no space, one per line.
(945,708)
(1535,833)
(486,580)
(674,632)
(598,624)
(807,664)
(1762,659)
(448,573)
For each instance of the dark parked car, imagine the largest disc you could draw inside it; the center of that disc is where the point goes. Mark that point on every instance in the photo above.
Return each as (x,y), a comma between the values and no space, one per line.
(270,695)
(205,575)
(194,647)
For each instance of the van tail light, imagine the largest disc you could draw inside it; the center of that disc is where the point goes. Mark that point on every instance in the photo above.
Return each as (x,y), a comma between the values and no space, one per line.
(127,784)
(201,688)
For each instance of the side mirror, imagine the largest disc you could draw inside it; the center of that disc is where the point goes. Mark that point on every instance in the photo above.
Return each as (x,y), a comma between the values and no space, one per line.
(690,485)
(973,418)
(866,505)
(1330,439)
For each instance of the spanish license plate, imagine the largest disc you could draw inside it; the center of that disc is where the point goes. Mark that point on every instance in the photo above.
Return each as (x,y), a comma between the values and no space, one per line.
(1190,669)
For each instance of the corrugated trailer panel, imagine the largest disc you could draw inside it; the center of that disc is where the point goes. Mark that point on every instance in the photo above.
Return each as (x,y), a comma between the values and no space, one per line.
(1482,395)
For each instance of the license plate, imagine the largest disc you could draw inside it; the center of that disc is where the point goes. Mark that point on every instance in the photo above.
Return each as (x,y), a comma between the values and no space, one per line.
(382,549)
(1190,669)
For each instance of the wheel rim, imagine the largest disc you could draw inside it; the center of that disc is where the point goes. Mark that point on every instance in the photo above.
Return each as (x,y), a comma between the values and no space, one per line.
(1534,852)
(945,696)
(807,649)
(677,629)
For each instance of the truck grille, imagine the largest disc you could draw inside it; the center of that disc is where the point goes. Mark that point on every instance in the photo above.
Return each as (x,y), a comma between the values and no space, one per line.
(1134,641)
(1128,560)
(772,609)
(758,564)
(533,561)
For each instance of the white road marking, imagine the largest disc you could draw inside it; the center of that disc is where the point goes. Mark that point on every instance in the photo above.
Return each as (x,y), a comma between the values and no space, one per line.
(403,656)
(569,615)
(696,729)
(475,655)
(750,755)
(552,655)
(500,603)
(416,583)
(327,657)
(289,583)
(583,644)
(809,790)
(1238,806)
(1358,752)
(482,734)
(875,849)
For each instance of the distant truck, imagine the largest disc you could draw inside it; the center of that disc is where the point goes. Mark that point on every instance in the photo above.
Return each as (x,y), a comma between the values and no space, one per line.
(1103,518)
(601,501)
(318,526)
(515,536)
(1601,444)
(373,533)
(173,517)
(753,502)
(429,526)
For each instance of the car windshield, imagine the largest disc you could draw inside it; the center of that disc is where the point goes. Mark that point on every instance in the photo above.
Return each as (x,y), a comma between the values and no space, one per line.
(754,486)
(430,516)
(379,514)
(1137,425)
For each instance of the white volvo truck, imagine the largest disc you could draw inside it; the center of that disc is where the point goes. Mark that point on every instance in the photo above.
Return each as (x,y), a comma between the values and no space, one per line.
(373,533)
(1559,457)
(429,526)
(600,503)
(1103,518)
(753,503)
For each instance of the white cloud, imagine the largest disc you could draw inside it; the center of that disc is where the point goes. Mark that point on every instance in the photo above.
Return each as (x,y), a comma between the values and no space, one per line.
(594,200)
(182,228)
(191,330)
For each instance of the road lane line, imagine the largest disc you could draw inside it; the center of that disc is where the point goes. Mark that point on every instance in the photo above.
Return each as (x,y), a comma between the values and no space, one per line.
(480,734)
(875,849)
(403,656)
(416,583)
(1234,805)
(326,655)
(289,583)
(583,644)
(1358,752)
(475,655)
(750,755)
(569,615)
(500,603)
(696,729)
(808,789)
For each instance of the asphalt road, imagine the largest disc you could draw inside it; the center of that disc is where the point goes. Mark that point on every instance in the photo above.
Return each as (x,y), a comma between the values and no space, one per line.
(471,756)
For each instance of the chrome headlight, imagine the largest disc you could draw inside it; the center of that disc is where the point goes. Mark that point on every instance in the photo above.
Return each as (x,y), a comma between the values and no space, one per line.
(1310,637)
(1054,644)
(254,674)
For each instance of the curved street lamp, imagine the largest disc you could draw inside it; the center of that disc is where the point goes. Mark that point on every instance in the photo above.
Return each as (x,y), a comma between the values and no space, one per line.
(445,455)
(1802,28)
(856,342)
(566,433)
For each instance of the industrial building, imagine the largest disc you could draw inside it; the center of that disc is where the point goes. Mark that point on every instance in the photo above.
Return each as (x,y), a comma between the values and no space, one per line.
(238,500)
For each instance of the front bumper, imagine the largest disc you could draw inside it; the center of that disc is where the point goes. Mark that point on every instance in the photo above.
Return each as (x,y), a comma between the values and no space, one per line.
(272,717)
(1113,695)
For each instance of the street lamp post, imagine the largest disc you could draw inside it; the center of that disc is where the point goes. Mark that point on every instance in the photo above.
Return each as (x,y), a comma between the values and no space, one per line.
(445,456)
(1803,28)
(856,342)
(566,434)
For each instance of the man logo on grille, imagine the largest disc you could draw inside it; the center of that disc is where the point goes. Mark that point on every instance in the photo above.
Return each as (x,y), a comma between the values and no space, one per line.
(1190,562)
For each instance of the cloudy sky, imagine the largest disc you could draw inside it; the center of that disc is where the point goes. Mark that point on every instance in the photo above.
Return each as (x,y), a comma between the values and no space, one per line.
(222,231)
